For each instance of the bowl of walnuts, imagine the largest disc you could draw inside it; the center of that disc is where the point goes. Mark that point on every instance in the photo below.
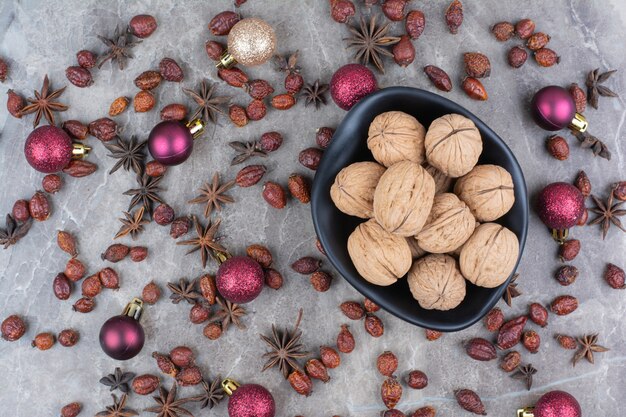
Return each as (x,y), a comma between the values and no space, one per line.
(421,207)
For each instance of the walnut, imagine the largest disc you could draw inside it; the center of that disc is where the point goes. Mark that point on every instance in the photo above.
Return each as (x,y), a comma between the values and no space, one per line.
(453,145)
(395,136)
(353,189)
(449,225)
(487,190)
(416,251)
(442,181)
(436,282)
(403,198)
(489,256)
(380,257)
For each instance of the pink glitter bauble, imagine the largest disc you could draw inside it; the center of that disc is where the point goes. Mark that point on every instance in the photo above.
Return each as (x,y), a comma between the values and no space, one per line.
(240,279)
(251,400)
(350,84)
(48,149)
(557,404)
(560,205)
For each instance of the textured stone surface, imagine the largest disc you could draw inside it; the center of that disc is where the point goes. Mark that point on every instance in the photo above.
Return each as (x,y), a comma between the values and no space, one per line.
(40,37)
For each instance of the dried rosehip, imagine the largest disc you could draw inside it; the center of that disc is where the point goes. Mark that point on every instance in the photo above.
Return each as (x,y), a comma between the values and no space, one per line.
(563,305)
(84,305)
(391,392)
(306,265)
(524,28)
(39,207)
(145,384)
(283,101)
(79,76)
(511,361)
(199,313)
(438,77)
(258,89)
(67,243)
(118,106)
(109,278)
(477,65)
(370,306)
(4,70)
(311,158)
(250,175)
(144,101)
(214,50)
(619,190)
(170,70)
(517,56)
(71,410)
(569,250)
(537,41)
(480,349)
(115,253)
(329,357)
(180,227)
(155,169)
(237,115)
(614,276)
(62,287)
(427,411)
(274,194)
(566,275)
(531,341)
(538,314)
(20,211)
(68,337)
(293,82)
(566,342)
(151,293)
(189,376)
(15,104)
(474,89)
(270,141)
(342,10)
(403,51)
(75,129)
(583,218)
(43,341)
(454,16)
(104,129)
(503,31)
(234,77)
(182,356)
(13,328)
(91,286)
(51,183)
(163,214)
(579,96)
(387,363)
(558,147)
(432,334)
(256,110)
(261,254)
(392,413)
(174,111)
(74,270)
(165,364)
(316,370)
(415,23)
(299,188)
(546,57)
(394,9)
(417,380)
(320,248)
(374,325)
(494,320)
(142,25)
(321,281)
(223,22)
(352,310)
(511,332)
(323,136)
(78,168)
(470,401)
(208,289)
(86,59)
(212,331)
(273,278)
(138,253)
(583,183)
(300,382)
(345,340)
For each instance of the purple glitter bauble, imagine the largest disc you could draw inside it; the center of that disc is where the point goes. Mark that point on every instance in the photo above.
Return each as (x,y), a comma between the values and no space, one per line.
(48,149)
(170,142)
(240,279)
(251,400)
(553,108)
(121,337)
(350,84)
(557,404)
(560,205)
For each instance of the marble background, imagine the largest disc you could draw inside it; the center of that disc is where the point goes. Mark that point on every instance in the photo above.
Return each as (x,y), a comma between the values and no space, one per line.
(39,37)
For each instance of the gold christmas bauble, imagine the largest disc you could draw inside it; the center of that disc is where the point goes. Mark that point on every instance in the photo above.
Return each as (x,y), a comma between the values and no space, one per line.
(251,42)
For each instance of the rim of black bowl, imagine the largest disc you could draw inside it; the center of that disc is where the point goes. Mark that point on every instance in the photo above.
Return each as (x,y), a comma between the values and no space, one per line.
(343,148)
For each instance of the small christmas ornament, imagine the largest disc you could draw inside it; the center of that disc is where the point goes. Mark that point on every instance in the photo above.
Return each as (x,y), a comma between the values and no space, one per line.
(171,142)
(240,279)
(560,206)
(350,84)
(553,108)
(251,42)
(122,337)
(49,149)
(249,400)
(553,404)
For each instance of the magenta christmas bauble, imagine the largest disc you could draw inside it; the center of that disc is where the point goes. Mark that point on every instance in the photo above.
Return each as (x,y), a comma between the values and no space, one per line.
(251,400)
(350,84)
(122,337)
(560,205)
(557,404)
(240,279)
(48,149)
(170,142)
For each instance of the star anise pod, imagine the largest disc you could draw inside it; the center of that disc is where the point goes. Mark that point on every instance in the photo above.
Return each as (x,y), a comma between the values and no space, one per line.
(213,195)
(511,291)
(315,94)
(287,65)
(525,373)
(13,231)
(119,48)
(595,89)
(206,242)
(246,151)
(212,395)
(168,405)
(146,194)
(117,409)
(599,148)
(208,106)
(286,349)
(118,380)
(228,313)
(132,223)
(608,214)
(588,347)
(369,41)
(44,103)
(184,291)
(130,154)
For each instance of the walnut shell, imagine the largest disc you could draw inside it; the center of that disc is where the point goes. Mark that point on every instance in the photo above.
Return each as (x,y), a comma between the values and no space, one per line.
(442,181)
(380,257)
(416,251)
(396,136)
(436,282)
(489,256)
(487,190)
(453,145)
(353,189)
(403,198)
(449,225)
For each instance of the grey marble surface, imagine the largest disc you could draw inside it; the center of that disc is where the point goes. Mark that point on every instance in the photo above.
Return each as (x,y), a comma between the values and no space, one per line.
(39,37)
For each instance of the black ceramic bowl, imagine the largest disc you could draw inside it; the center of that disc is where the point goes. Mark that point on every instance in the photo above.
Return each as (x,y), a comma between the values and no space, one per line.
(333,227)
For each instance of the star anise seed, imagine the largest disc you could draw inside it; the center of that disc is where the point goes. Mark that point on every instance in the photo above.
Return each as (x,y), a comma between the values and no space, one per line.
(246,150)
(594,88)
(228,313)
(132,223)
(184,291)
(208,105)
(213,195)
(13,231)
(206,241)
(369,41)
(44,103)
(315,94)
(525,373)
(118,380)
(599,148)
(117,409)
(168,405)
(130,154)
(212,395)
(608,214)
(588,347)
(146,194)
(511,291)
(287,65)
(119,48)
(286,349)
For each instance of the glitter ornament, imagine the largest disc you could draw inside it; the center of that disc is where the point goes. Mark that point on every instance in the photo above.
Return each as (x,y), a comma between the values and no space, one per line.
(249,400)
(553,108)
(240,279)
(171,142)
(553,404)
(122,337)
(560,206)
(49,149)
(251,42)
(350,84)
